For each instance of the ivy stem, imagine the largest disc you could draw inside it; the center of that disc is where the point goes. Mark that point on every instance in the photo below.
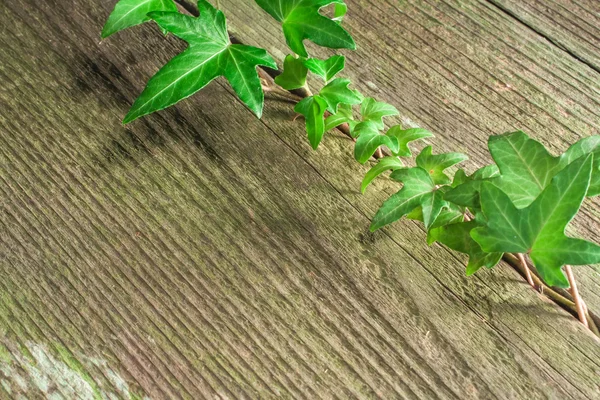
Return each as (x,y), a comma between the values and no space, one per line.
(579,304)
(521,258)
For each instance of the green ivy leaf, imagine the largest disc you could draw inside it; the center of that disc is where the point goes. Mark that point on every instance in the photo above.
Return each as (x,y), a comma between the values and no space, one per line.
(539,228)
(458,238)
(384,164)
(436,164)
(313,108)
(128,13)
(337,92)
(369,140)
(209,55)
(527,168)
(294,73)
(342,116)
(406,136)
(589,145)
(340,12)
(451,214)
(466,192)
(301,20)
(374,111)
(326,69)
(419,190)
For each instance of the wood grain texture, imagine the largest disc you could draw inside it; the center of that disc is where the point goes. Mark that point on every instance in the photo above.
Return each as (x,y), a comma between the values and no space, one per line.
(465,70)
(574,26)
(200,253)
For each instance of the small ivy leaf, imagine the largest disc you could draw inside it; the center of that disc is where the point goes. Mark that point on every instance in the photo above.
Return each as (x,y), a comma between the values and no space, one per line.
(457,237)
(384,164)
(539,228)
(128,13)
(436,164)
(466,192)
(589,145)
(340,12)
(294,73)
(210,54)
(313,108)
(301,20)
(406,136)
(342,116)
(487,172)
(369,140)
(460,177)
(326,69)
(337,92)
(374,111)
(451,214)
(419,190)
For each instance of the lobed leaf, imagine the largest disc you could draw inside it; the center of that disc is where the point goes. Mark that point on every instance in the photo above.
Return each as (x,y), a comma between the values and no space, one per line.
(342,116)
(369,140)
(375,111)
(326,69)
(527,168)
(406,136)
(466,192)
(539,228)
(128,13)
(294,73)
(313,108)
(384,164)
(457,237)
(210,54)
(301,20)
(436,164)
(419,190)
(337,92)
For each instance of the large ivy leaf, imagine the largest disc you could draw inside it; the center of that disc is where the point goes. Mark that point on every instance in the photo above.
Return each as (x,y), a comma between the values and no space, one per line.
(383,164)
(406,136)
(458,238)
(375,111)
(369,140)
(210,54)
(326,69)
(589,145)
(436,164)
(527,168)
(313,108)
(128,13)
(301,20)
(419,190)
(337,92)
(294,73)
(539,229)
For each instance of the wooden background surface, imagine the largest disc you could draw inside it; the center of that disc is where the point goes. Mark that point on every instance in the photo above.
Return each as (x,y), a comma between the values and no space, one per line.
(201,253)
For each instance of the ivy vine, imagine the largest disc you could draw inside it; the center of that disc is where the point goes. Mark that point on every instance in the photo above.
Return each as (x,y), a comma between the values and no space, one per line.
(516,208)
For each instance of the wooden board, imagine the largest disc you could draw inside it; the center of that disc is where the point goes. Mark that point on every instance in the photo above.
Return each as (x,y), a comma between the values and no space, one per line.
(465,70)
(200,253)
(573,26)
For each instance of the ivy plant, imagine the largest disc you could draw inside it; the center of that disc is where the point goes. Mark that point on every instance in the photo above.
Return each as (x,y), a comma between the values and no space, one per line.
(521,204)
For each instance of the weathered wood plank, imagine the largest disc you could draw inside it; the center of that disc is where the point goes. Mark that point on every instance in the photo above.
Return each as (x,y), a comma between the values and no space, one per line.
(197,254)
(465,70)
(571,25)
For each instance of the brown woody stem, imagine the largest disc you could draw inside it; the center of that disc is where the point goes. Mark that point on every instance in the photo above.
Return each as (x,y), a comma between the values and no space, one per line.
(579,304)
(526,269)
